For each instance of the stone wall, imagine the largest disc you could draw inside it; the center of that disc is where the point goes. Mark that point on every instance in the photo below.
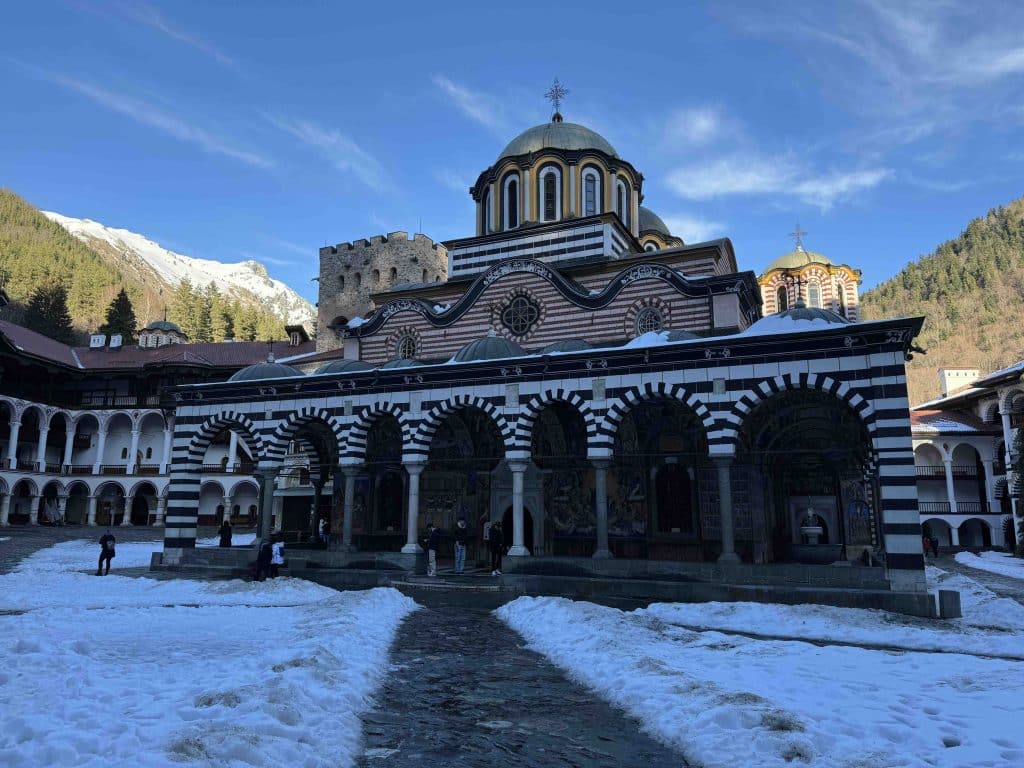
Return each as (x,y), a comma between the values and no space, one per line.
(351,272)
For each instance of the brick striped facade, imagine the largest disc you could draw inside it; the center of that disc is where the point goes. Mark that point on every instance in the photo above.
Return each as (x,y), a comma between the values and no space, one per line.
(721,379)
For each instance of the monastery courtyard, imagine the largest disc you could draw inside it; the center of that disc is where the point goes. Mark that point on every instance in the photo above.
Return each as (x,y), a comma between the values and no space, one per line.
(132,669)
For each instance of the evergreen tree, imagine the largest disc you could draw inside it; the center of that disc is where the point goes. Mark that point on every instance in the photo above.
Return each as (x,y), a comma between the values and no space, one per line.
(183,309)
(47,313)
(121,318)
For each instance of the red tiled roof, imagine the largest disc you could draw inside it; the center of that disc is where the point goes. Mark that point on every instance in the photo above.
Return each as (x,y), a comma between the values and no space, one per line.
(236,354)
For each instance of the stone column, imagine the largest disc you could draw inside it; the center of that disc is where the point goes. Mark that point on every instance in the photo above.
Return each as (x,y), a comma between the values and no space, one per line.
(44,432)
(133,451)
(33,510)
(101,444)
(575,205)
(990,485)
(5,509)
(62,507)
(91,510)
(414,469)
(1004,417)
(524,210)
(950,488)
(518,469)
(227,508)
(954,535)
(69,446)
(232,451)
(601,506)
(161,510)
(348,509)
(12,446)
(127,519)
(268,485)
(314,512)
(166,462)
(723,464)
(277,510)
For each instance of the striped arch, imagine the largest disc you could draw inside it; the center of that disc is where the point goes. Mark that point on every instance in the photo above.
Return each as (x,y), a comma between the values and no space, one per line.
(286,431)
(528,416)
(420,443)
(213,426)
(355,446)
(770,387)
(652,391)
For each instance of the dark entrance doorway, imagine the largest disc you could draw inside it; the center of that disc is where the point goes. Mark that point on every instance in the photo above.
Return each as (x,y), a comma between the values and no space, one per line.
(675,499)
(506,529)
(140,511)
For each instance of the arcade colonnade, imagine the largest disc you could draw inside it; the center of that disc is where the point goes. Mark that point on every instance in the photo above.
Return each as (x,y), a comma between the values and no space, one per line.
(871,391)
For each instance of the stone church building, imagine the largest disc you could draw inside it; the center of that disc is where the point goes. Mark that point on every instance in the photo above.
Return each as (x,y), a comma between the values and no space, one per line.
(619,398)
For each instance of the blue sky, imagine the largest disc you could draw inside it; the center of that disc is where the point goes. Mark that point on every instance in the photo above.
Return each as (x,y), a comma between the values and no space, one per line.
(265,130)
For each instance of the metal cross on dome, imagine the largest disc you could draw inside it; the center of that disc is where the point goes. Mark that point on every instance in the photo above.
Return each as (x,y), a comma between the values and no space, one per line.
(798,235)
(555,94)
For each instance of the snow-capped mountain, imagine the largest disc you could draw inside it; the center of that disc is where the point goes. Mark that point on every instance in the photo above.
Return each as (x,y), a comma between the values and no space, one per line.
(246,280)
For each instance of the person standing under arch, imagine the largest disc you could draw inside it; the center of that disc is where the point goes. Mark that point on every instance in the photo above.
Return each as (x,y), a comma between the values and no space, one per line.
(496,541)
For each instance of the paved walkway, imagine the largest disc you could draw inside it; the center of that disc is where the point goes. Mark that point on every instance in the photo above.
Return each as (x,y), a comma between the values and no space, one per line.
(1004,586)
(24,540)
(464,691)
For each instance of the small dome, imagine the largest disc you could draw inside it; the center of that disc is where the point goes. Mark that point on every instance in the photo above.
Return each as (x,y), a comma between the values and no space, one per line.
(567,345)
(344,366)
(800,313)
(798,258)
(163,325)
(490,347)
(557,135)
(267,370)
(401,362)
(651,222)
(681,335)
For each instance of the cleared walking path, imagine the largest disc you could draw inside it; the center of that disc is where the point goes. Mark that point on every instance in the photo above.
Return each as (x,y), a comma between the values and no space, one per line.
(1004,586)
(464,691)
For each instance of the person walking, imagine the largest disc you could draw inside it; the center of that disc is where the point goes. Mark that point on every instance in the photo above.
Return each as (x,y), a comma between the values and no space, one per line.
(926,546)
(432,542)
(276,558)
(323,531)
(461,537)
(935,546)
(225,533)
(107,552)
(263,557)
(496,540)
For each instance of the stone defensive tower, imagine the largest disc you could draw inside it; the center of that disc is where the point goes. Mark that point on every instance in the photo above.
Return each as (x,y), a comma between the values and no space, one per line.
(352,273)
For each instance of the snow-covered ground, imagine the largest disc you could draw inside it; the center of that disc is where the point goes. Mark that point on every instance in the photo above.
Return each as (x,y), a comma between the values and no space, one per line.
(729,700)
(1002,563)
(119,671)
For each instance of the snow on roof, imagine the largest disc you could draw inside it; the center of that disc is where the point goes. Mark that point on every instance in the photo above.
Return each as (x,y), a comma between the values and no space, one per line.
(946,422)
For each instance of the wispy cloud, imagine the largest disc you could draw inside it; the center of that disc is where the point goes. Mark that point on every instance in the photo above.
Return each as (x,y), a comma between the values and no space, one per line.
(696,126)
(148,114)
(752,175)
(296,248)
(259,257)
(694,229)
(477,106)
(452,180)
(147,15)
(341,151)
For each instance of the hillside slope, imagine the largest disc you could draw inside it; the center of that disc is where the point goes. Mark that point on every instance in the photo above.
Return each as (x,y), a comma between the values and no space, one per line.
(94,262)
(971,290)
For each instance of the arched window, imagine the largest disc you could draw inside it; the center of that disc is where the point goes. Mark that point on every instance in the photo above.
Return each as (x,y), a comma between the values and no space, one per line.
(591,192)
(424,276)
(149,453)
(124,453)
(437,278)
(341,282)
(622,201)
(394,274)
(650,246)
(376,276)
(814,293)
(406,347)
(359,279)
(841,294)
(782,299)
(511,193)
(649,319)
(551,192)
(488,217)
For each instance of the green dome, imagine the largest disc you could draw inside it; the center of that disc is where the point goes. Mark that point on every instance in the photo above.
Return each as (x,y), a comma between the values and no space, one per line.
(163,325)
(401,362)
(797,259)
(267,370)
(344,366)
(557,135)
(651,222)
(567,345)
(492,347)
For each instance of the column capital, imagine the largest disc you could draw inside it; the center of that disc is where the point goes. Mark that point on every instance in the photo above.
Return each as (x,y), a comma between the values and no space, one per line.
(352,470)
(602,462)
(518,466)
(723,460)
(414,467)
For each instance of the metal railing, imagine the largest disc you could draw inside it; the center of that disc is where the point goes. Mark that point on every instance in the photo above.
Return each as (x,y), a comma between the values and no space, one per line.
(221,469)
(939,470)
(944,508)
(113,469)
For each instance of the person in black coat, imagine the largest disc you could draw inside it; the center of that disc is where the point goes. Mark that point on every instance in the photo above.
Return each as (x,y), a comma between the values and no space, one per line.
(461,538)
(496,540)
(225,533)
(433,541)
(263,557)
(107,543)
